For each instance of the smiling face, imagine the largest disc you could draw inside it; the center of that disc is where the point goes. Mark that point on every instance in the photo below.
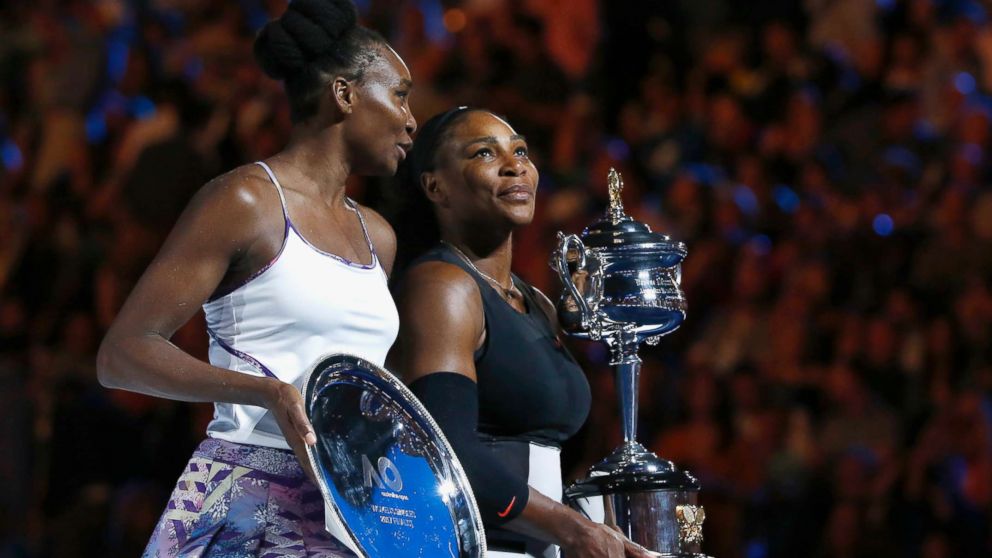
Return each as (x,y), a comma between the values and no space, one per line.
(483,175)
(379,128)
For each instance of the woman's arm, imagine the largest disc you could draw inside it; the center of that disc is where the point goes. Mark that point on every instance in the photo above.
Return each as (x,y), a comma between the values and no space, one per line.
(441,326)
(233,223)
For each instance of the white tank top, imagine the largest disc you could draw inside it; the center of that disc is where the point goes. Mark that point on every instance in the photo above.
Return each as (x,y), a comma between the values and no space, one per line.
(302,305)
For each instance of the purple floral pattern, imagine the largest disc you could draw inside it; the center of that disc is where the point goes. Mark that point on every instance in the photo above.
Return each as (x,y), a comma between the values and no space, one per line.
(243,501)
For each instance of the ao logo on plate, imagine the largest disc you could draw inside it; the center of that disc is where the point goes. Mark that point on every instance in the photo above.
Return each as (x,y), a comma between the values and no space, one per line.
(387,474)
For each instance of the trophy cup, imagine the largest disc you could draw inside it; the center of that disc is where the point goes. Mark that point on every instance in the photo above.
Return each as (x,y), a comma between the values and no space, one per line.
(627,291)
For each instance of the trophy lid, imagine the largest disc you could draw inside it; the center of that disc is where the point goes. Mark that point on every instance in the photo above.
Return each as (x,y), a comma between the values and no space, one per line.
(620,231)
(392,485)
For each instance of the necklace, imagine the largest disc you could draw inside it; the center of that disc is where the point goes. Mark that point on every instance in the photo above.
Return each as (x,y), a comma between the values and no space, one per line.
(508,292)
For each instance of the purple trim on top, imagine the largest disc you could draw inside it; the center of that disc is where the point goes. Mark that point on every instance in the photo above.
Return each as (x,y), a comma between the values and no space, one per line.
(261,270)
(341,259)
(348,201)
(365,230)
(240,354)
(275,182)
(285,236)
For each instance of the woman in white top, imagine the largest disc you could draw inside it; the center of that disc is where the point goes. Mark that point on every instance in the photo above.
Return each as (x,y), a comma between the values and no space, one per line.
(287,268)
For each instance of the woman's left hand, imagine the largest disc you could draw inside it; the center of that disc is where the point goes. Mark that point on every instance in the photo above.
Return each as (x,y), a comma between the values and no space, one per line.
(285,402)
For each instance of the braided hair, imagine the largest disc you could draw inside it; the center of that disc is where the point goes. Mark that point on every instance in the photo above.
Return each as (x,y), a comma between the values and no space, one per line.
(314,41)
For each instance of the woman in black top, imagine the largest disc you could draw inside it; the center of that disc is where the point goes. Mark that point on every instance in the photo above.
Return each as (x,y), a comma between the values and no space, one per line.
(479,346)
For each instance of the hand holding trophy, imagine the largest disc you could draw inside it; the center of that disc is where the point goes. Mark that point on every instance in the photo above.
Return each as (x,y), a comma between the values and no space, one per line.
(627,291)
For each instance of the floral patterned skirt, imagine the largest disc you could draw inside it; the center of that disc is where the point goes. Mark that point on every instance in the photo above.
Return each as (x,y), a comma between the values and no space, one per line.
(242,501)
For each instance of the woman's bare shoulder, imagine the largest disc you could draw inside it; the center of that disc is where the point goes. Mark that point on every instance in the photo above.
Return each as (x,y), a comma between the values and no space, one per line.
(241,202)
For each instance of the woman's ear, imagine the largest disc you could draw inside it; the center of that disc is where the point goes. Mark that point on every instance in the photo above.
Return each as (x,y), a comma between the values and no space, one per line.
(432,188)
(343,95)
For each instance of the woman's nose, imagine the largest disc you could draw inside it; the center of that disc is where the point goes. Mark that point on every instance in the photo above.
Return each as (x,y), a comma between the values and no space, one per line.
(411,123)
(513,166)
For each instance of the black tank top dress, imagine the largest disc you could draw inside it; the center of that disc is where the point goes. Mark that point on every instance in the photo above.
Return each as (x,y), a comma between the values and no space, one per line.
(532,395)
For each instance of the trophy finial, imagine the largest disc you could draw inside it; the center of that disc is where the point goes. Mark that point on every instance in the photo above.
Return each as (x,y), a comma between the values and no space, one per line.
(615,184)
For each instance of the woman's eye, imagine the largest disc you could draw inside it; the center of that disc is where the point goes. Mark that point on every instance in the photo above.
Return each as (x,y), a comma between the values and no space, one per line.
(484,152)
(521,151)
(402,94)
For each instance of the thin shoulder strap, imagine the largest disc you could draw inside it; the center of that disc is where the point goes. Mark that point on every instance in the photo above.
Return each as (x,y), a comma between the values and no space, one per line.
(368,239)
(275,181)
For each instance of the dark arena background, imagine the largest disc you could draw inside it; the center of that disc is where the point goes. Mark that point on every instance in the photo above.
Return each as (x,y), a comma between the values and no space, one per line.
(826,162)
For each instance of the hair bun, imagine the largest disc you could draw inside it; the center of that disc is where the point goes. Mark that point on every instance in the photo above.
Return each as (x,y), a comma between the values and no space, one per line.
(309,29)
(335,17)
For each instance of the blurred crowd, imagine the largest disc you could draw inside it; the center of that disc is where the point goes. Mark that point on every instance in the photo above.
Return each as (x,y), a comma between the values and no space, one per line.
(826,162)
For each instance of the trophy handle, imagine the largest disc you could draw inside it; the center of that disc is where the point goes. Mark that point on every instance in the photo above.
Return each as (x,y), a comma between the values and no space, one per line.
(560,264)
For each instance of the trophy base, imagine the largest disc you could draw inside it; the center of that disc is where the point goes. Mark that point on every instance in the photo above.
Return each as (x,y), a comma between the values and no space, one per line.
(646,498)
(634,460)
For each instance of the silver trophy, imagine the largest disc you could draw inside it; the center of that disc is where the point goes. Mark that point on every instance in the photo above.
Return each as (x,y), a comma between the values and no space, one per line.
(622,287)
(392,485)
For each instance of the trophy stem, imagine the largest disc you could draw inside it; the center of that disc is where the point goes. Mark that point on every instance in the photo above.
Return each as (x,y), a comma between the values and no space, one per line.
(628,376)
(631,456)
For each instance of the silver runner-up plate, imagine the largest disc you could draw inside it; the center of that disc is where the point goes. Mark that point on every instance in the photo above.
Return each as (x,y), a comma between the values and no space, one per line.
(392,485)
